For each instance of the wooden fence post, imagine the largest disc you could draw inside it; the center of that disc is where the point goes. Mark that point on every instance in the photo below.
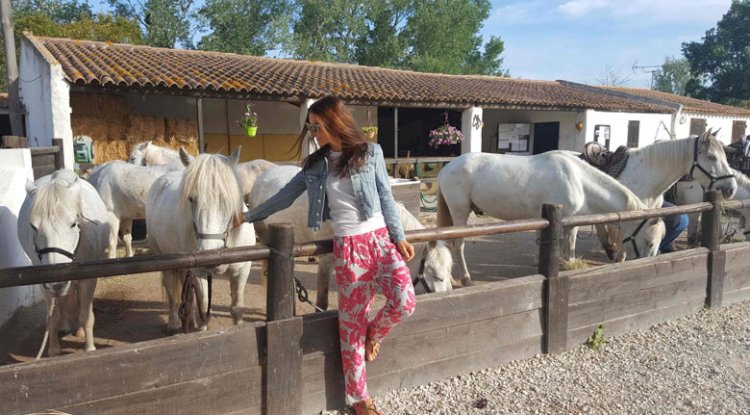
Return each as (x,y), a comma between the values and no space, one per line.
(556,287)
(60,154)
(711,238)
(283,394)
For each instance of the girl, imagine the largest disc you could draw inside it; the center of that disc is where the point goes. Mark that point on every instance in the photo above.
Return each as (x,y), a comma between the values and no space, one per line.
(346,182)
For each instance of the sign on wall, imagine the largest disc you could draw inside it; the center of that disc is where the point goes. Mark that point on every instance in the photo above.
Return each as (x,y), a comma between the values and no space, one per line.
(513,137)
(601,135)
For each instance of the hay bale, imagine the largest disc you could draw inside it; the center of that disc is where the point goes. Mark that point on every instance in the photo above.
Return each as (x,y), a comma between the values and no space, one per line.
(95,128)
(108,150)
(181,129)
(145,127)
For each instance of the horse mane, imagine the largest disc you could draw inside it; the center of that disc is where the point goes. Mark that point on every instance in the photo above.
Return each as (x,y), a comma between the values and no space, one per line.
(664,152)
(742,180)
(211,175)
(408,221)
(51,196)
(632,201)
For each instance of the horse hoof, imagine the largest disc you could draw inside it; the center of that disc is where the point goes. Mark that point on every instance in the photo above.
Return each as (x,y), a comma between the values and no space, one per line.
(171,331)
(237,314)
(89,349)
(467,282)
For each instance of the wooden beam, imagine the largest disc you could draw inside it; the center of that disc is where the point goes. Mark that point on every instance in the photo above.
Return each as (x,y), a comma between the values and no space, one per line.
(710,238)
(284,367)
(556,293)
(280,298)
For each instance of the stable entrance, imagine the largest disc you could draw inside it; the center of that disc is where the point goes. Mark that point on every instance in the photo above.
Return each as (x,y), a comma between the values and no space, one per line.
(546,136)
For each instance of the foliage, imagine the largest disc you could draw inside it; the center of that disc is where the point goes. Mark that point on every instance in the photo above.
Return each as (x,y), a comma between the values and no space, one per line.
(383,44)
(59,11)
(445,135)
(673,76)
(239,26)
(720,64)
(165,23)
(249,118)
(370,129)
(328,31)
(597,340)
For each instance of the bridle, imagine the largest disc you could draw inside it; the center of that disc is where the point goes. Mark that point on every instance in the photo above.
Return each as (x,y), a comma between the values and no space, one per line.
(420,276)
(216,236)
(56,250)
(708,174)
(632,237)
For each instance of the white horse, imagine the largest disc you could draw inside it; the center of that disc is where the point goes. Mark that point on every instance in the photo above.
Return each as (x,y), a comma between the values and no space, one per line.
(653,169)
(124,189)
(690,191)
(515,187)
(63,220)
(434,258)
(200,208)
(148,154)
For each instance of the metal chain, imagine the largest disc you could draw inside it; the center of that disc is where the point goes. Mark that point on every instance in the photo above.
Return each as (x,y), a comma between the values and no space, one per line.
(302,294)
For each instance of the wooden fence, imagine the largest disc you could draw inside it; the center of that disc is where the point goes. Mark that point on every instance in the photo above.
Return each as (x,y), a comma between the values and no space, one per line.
(292,365)
(44,160)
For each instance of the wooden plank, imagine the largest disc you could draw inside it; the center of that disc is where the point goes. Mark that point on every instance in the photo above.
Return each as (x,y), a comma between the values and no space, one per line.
(736,279)
(14,141)
(636,321)
(280,294)
(556,288)
(46,153)
(235,391)
(321,332)
(86,377)
(738,256)
(736,296)
(323,382)
(606,308)
(283,367)
(637,275)
(60,154)
(715,278)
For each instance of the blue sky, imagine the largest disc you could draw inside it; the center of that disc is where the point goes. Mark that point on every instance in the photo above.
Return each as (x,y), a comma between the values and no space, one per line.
(575,40)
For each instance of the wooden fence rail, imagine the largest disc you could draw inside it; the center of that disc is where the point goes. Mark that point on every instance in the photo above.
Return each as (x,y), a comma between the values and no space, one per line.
(291,365)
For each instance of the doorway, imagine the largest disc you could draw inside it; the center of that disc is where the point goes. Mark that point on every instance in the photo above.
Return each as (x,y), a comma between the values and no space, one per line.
(546,136)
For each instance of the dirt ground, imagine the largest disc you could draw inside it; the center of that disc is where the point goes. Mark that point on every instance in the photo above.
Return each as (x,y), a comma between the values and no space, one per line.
(132,308)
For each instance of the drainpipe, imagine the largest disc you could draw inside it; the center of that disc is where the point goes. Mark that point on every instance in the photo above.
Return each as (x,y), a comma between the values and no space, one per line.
(675,119)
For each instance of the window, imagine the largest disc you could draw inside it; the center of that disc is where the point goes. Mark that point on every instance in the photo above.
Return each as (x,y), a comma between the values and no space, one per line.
(697,126)
(634,128)
(738,130)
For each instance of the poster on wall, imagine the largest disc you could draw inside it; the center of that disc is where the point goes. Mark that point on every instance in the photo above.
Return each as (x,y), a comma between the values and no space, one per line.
(601,135)
(513,137)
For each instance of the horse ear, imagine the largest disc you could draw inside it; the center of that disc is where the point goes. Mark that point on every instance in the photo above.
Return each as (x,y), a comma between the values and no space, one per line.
(30,186)
(146,144)
(432,244)
(185,157)
(234,158)
(716,133)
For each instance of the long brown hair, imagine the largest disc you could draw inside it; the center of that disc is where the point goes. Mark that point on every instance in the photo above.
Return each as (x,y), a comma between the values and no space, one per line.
(339,122)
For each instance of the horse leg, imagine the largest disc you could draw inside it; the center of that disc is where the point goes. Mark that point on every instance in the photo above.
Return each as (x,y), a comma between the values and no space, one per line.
(86,290)
(113,231)
(237,284)
(568,244)
(172,286)
(126,232)
(200,325)
(325,271)
(694,229)
(460,216)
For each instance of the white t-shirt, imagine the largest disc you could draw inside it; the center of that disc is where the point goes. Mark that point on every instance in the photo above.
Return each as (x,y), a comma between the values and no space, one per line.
(342,204)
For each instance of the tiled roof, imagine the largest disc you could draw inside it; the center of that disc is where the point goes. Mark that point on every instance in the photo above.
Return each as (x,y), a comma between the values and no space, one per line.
(688,104)
(105,64)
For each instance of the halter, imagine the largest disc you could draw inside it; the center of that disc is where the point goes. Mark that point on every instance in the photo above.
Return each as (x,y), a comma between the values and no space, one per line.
(220,236)
(54,249)
(420,276)
(697,165)
(631,238)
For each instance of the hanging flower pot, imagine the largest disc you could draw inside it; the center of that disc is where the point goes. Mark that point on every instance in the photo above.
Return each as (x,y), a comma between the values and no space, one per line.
(249,121)
(251,131)
(370,132)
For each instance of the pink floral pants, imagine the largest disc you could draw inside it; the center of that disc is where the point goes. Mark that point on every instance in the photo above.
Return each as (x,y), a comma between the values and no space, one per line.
(362,262)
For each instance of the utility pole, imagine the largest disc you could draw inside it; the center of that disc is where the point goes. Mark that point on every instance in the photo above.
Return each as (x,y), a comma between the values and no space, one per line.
(14,104)
(653,69)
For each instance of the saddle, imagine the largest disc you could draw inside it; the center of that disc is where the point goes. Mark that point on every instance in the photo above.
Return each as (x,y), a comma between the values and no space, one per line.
(610,162)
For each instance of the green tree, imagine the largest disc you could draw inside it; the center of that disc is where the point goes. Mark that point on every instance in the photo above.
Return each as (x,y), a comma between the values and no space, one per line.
(720,64)
(59,11)
(383,44)
(673,76)
(442,36)
(240,26)
(328,31)
(165,23)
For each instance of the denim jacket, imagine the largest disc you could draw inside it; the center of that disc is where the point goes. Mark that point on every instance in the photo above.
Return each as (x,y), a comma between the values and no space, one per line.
(371,185)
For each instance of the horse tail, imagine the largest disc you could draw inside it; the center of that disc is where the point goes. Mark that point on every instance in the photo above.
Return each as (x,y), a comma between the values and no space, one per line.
(443,213)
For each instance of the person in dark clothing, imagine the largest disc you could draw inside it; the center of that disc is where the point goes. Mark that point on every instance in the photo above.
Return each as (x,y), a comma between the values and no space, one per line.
(675,224)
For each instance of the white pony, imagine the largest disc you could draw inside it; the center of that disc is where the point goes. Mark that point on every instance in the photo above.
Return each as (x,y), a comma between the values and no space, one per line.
(148,154)
(434,258)
(653,169)
(63,220)
(124,189)
(515,187)
(690,191)
(200,208)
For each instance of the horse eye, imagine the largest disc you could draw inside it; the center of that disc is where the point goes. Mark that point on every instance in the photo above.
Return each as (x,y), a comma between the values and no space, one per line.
(33,227)
(712,158)
(191,200)
(74,224)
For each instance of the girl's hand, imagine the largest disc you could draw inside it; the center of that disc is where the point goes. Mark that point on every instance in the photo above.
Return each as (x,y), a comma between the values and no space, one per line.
(405,249)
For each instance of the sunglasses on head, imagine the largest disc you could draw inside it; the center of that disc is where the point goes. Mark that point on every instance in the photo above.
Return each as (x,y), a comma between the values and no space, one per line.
(313,128)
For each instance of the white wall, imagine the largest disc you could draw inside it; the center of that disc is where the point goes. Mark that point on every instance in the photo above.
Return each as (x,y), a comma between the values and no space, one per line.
(15,170)
(45,94)
(570,138)
(713,122)
(652,127)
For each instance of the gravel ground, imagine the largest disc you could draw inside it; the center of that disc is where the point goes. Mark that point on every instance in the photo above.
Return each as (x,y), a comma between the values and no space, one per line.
(699,364)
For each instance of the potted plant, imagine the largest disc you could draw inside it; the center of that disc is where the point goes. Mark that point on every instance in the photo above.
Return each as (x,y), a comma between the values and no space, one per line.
(370,132)
(249,121)
(445,135)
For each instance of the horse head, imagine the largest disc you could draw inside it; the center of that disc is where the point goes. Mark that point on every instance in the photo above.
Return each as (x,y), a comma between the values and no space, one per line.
(54,221)
(710,167)
(636,239)
(435,267)
(138,156)
(210,192)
